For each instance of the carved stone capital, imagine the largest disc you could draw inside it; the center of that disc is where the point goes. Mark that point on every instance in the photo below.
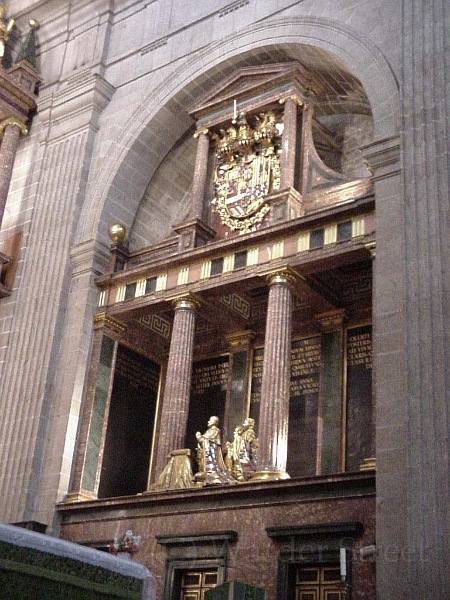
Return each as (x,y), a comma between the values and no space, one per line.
(89,257)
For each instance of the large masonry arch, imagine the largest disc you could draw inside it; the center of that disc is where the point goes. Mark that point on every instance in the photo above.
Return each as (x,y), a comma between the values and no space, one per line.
(113,194)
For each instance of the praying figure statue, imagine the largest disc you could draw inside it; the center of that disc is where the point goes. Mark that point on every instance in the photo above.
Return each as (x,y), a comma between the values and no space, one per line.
(212,470)
(242,453)
(248,453)
(5,30)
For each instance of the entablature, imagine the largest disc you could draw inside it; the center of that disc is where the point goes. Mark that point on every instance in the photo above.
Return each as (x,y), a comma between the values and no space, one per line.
(325,238)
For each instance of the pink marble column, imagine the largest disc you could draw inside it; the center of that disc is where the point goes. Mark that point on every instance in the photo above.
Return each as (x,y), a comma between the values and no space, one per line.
(289,140)
(274,410)
(200,171)
(175,407)
(11,134)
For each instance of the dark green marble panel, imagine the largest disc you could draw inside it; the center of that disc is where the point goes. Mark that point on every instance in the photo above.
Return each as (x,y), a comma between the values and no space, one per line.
(98,415)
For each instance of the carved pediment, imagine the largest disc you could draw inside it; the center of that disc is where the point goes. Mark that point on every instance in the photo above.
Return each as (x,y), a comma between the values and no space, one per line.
(252,87)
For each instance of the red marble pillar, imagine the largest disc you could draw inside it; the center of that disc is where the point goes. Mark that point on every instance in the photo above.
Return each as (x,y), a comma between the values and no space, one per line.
(11,133)
(289,140)
(175,407)
(274,410)
(200,171)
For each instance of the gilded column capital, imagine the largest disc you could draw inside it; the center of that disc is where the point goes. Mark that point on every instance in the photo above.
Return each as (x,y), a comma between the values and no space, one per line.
(293,96)
(101,320)
(200,132)
(189,301)
(11,121)
(284,275)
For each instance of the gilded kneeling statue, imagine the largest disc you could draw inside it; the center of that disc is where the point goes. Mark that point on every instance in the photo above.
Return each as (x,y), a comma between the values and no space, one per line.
(212,470)
(241,457)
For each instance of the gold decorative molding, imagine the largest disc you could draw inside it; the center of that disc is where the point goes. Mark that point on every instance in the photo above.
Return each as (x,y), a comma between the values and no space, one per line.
(237,304)
(240,339)
(269,475)
(79,497)
(369,464)
(101,320)
(13,123)
(330,321)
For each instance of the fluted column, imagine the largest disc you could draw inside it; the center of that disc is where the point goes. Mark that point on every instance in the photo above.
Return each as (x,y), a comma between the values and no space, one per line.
(175,407)
(200,170)
(11,129)
(274,410)
(289,141)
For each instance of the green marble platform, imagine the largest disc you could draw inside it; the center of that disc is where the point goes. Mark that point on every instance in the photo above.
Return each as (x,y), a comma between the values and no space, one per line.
(35,566)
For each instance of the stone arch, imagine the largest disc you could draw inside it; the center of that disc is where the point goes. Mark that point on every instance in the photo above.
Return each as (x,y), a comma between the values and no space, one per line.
(116,194)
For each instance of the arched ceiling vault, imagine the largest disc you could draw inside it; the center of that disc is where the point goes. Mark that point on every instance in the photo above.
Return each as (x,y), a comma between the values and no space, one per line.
(117,194)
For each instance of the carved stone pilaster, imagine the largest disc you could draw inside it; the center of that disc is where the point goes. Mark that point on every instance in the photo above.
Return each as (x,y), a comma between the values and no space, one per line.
(69,120)
(11,129)
(192,234)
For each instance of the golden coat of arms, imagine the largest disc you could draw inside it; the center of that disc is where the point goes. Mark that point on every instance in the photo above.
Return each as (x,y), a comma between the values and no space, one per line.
(248,157)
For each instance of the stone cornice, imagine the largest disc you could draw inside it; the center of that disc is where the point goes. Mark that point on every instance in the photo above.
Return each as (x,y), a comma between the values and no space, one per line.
(76,105)
(89,257)
(383,157)
(210,499)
